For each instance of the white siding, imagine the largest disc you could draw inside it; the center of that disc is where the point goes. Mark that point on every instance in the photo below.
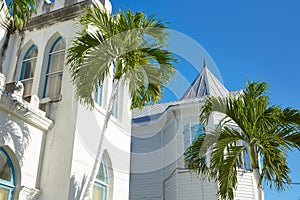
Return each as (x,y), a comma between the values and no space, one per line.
(146,185)
(170,187)
(169,149)
(245,188)
(145,144)
(144,182)
(192,187)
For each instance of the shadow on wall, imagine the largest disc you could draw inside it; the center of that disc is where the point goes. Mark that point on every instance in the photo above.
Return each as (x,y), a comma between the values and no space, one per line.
(76,188)
(16,133)
(2,34)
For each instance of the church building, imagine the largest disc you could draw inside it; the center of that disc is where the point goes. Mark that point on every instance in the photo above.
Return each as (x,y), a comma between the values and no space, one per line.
(48,140)
(161,134)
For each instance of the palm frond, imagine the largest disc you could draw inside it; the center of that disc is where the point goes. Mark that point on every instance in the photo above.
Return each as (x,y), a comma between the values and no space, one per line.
(275,171)
(197,161)
(264,130)
(18,13)
(227,178)
(132,40)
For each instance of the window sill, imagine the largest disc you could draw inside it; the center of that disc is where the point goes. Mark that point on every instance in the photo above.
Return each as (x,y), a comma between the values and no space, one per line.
(99,108)
(115,120)
(52,99)
(103,112)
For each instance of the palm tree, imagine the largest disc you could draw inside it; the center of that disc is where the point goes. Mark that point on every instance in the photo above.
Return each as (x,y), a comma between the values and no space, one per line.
(14,18)
(251,126)
(135,44)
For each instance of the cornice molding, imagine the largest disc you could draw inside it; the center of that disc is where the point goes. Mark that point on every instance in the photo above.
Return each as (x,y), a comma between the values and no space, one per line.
(28,112)
(23,111)
(60,15)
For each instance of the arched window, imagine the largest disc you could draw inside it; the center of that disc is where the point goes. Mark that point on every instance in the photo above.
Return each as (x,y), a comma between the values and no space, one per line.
(28,68)
(7,179)
(55,68)
(100,188)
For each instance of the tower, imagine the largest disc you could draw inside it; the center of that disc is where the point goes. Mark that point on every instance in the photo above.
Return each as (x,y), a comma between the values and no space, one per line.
(160,135)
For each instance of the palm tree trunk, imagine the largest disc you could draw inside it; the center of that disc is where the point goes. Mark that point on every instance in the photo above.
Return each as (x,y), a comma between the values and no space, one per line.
(89,187)
(256,175)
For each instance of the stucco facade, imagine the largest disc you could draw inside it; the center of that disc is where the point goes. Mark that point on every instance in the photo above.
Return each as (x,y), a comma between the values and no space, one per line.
(61,148)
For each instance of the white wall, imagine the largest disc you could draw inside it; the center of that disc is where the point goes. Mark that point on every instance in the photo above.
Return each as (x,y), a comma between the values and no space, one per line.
(25,142)
(159,145)
(22,129)
(116,142)
(67,157)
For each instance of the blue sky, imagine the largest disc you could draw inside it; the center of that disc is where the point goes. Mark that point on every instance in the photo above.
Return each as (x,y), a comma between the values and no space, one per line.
(247,40)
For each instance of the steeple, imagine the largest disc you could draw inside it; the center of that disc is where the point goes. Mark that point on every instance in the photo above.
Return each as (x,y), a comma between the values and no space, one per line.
(206,84)
(204,63)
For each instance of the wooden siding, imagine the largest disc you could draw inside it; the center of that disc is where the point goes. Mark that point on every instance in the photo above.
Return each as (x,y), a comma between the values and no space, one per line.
(245,189)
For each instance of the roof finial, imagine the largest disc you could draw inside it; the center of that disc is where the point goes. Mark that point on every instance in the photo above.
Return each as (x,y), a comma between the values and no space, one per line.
(204,63)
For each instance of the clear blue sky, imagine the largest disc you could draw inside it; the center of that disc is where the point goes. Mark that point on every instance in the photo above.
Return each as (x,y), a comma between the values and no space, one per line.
(248,40)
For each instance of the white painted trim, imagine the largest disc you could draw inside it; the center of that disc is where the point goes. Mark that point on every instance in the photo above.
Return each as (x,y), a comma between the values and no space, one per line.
(23,111)
(168,109)
(29,193)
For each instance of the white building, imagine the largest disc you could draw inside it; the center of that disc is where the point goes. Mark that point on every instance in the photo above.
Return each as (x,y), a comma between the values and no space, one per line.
(48,153)
(160,135)
(48,141)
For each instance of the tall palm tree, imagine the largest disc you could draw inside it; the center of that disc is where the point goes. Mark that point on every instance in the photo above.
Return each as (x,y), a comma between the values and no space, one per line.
(135,44)
(13,18)
(251,126)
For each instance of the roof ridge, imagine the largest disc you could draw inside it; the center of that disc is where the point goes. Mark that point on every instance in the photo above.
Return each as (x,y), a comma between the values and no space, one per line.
(205,84)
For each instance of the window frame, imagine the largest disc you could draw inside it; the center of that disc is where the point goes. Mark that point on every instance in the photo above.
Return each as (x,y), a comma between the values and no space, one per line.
(26,60)
(98,96)
(189,133)
(56,73)
(10,185)
(102,183)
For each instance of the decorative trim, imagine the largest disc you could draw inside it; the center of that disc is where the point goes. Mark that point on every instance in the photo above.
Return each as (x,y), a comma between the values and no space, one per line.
(29,193)
(53,99)
(60,15)
(29,112)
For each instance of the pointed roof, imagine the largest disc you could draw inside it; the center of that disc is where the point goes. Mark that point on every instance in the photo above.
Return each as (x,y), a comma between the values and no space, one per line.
(206,84)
